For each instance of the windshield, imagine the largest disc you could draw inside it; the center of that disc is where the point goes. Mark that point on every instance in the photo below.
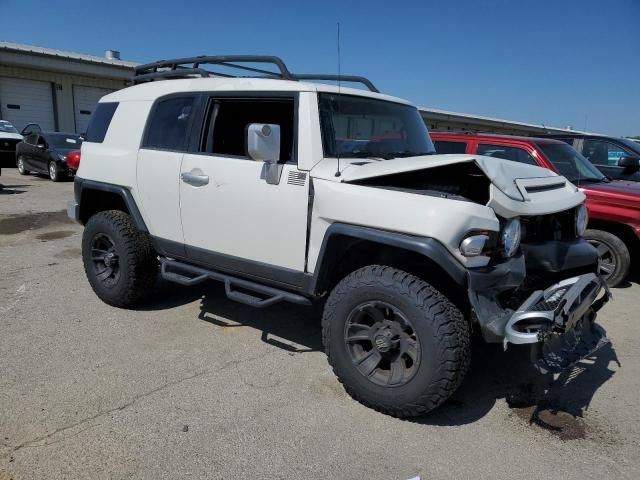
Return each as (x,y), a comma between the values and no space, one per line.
(570,163)
(7,127)
(635,146)
(64,140)
(358,127)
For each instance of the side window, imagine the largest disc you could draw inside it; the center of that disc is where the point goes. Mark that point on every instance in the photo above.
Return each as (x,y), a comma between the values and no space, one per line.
(168,124)
(225,128)
(601,152)
(100,121)
(445,147)
(31,138)
(514,154)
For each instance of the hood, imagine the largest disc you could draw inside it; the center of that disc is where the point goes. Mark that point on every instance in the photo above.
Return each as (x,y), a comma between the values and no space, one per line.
(10,136)
(511,178)
(615,187)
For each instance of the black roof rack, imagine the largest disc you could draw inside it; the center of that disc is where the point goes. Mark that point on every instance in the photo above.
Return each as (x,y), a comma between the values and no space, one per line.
(190,66)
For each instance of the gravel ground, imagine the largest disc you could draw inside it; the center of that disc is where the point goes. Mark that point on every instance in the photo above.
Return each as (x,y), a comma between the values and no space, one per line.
(194,386)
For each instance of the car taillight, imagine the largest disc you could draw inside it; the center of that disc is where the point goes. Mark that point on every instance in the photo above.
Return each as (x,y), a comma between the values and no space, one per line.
(73,159)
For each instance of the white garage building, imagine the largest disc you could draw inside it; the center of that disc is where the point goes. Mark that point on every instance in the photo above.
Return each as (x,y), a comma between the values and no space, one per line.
(56,89)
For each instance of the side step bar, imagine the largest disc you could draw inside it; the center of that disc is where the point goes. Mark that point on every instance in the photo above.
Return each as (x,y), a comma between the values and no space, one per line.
(185,274)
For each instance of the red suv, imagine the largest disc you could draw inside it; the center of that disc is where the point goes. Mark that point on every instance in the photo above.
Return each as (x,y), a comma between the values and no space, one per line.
(614,205)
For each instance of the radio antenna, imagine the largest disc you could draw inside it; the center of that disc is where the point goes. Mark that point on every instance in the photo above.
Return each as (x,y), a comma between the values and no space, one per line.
(338,104)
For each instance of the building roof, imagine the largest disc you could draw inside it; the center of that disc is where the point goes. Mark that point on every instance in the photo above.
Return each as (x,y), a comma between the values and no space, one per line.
(479,122)
(50,52)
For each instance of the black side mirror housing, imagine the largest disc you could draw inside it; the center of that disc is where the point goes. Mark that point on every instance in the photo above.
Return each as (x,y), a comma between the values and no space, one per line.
(630,164)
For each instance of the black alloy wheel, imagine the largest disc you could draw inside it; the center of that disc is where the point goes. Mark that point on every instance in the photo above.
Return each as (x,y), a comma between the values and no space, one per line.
(105,259)
(382,343)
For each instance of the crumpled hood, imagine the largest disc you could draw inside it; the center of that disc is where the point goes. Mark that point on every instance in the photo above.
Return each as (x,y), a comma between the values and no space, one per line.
(504,174)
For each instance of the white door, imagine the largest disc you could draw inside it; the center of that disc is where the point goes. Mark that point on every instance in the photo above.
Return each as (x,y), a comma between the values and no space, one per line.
(27,101)
(228,208)
(238,213)
(85,100)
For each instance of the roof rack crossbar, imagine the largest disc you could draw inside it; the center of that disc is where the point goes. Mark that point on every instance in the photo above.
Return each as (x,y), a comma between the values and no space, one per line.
(338,78)
(185,67)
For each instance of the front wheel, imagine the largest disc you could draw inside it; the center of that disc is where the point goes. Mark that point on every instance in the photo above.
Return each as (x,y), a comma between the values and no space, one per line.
(118,259)
(21,167)
(395,342)
(614,258)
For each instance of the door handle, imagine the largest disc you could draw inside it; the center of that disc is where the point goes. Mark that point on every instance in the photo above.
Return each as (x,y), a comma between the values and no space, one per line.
(194,179)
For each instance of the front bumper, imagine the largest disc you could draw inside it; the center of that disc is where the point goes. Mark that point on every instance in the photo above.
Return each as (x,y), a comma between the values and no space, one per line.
(559,323)
(557,309)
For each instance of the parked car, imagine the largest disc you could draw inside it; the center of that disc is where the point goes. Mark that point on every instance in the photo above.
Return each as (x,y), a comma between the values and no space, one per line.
(614,206)
(9,138)
(618,158)
(47,152)
(287,190)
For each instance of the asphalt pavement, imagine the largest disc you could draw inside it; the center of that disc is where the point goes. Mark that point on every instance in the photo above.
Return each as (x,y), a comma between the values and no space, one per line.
(192,385)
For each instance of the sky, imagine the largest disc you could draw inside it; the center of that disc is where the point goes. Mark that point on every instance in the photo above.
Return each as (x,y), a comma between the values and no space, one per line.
(554,62)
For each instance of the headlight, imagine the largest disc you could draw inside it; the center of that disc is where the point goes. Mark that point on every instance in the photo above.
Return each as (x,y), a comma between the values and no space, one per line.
(582,218)
(510,237)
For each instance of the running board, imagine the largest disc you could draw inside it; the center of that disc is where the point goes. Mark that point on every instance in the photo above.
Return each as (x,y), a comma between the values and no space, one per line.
(185,274)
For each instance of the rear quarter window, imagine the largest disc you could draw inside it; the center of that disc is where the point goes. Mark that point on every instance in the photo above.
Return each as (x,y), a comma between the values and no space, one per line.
(168,124)
(100,121)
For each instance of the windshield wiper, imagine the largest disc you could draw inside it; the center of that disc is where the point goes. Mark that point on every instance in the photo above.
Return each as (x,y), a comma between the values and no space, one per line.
(409,153)
(366,154)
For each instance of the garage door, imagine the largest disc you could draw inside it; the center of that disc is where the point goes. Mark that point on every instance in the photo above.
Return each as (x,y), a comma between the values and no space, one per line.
(84,102)
(26,101)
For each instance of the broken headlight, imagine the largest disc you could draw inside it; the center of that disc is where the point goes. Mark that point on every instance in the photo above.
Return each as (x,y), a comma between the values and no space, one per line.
(510,237)
(582,218)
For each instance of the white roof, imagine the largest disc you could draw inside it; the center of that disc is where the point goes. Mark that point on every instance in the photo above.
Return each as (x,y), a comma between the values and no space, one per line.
(155,89)
(18,47)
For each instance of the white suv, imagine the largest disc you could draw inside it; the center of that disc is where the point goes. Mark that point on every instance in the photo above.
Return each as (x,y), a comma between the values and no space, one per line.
(287,190)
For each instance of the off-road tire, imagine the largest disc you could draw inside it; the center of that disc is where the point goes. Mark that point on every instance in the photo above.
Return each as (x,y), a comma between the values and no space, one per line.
(21,171)
(443,332)
(618,249)
(136,259)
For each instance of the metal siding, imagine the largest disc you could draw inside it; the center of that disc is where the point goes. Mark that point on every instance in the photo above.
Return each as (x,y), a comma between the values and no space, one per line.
(35,101)
(84,102)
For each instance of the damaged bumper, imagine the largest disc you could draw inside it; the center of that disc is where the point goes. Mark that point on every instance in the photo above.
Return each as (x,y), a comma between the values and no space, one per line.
(559,307)
(558,321)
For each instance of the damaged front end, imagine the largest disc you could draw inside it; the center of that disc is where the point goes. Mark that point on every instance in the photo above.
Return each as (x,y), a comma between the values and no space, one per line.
(548,297)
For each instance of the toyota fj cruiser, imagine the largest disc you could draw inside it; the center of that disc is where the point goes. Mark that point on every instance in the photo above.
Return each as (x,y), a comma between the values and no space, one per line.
(286,190)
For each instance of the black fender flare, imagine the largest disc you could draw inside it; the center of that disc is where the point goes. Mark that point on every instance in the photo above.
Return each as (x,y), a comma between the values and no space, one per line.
(81,185)
(341,235)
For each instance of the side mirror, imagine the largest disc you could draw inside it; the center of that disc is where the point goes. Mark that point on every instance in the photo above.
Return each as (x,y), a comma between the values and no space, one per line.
(630,164)
(263,145)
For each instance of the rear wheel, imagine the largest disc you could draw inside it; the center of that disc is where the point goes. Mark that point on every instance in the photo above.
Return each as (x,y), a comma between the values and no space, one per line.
(54,172)
(614,257)
(395,342)
(21,168)
(118,259)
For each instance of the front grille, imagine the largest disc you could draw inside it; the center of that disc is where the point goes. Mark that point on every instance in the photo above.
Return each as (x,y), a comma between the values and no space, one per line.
(555,226)
(8,145)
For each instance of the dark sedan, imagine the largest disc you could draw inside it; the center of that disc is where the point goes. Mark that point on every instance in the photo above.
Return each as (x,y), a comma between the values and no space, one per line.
(46,153)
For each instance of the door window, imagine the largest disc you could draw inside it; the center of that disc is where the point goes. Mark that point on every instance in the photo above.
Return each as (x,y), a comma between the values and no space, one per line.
(168,124)
(514,154)
(31,139)
(602,152)
(227,120)
(445,147)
